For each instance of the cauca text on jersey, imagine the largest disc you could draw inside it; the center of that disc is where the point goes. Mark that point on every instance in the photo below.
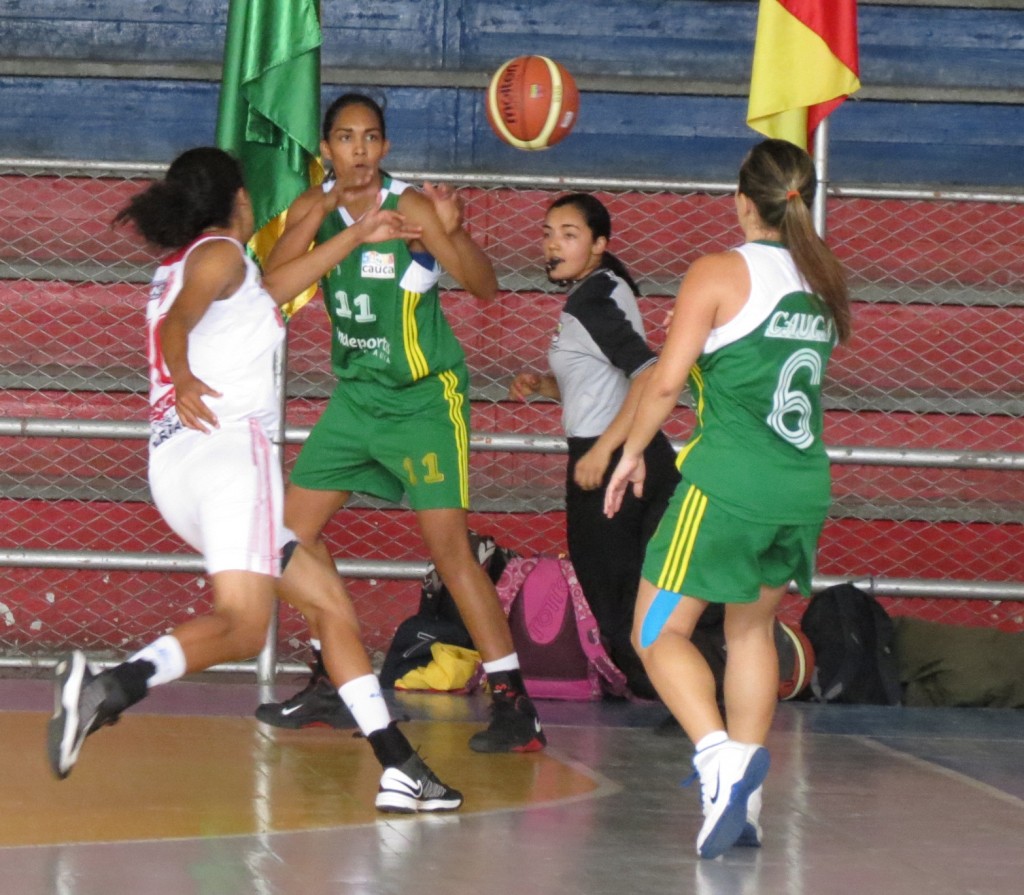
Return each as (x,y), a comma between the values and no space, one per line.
(805,327)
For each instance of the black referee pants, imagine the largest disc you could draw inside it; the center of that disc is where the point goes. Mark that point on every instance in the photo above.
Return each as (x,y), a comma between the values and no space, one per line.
(607,554)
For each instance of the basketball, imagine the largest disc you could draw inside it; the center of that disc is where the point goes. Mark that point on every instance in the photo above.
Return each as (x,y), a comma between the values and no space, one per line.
(532,102)
(796,660)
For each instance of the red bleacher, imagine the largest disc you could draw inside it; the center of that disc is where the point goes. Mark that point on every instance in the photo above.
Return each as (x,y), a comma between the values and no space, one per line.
(937,353)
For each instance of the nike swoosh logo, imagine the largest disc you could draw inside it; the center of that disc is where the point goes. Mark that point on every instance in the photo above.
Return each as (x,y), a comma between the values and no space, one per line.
(718,783)
(536,724)
(290,709)
(416,792)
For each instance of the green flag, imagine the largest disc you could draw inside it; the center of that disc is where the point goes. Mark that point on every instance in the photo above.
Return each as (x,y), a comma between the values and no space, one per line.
(270,104)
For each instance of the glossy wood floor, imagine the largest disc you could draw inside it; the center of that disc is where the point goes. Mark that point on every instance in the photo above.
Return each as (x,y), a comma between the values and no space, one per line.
(189,795)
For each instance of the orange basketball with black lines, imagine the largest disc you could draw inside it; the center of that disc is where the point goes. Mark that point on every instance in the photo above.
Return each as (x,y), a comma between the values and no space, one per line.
(796,660)
(532,102)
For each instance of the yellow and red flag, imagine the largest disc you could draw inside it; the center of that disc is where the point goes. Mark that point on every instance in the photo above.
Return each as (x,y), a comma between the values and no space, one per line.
(805,65)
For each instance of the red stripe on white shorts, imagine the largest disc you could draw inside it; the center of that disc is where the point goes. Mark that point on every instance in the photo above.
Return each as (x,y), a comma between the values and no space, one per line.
(263,543)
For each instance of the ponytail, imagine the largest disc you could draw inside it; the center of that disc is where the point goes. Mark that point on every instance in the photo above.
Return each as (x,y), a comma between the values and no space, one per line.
(610,262)
(817,264)
(778,177)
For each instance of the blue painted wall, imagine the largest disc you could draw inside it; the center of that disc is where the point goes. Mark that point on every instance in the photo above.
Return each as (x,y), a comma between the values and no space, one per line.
(621,135)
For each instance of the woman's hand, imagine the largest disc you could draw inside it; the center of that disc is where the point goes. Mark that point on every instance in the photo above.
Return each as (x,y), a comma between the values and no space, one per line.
(331,199)
(630,470)
(378,225)
(191,408)
(591,467)
(352,180)
(527,384)
(524,385)
(447,203)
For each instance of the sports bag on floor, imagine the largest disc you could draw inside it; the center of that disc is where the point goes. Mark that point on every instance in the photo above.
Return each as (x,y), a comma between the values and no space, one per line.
(435,598)
(956,665)
(852,636)
(554,631)
(438,620)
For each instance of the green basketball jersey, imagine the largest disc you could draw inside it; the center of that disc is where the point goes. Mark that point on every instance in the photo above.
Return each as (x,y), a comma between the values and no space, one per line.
(387,322)
(757,445)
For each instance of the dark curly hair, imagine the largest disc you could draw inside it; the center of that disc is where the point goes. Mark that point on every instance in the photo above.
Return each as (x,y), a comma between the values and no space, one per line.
(198,191)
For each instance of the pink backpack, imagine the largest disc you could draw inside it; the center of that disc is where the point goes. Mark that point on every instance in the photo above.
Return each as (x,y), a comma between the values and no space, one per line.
(554,631)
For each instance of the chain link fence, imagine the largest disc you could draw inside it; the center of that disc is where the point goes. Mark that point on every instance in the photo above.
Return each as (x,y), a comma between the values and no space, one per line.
(924,407)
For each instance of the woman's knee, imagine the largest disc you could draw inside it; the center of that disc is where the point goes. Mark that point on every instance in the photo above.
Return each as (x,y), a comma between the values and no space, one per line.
(323,608)
(310,582)
(753,620)
(307,512)
(446,535)
(245,631)
(461,573)
(242,605)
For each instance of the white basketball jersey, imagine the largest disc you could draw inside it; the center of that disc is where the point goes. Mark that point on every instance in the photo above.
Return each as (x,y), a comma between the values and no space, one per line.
(231,349)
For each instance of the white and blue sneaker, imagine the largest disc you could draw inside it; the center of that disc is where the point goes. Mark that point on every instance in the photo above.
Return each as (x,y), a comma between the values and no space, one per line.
(750,835)
(413,787)
(729,774)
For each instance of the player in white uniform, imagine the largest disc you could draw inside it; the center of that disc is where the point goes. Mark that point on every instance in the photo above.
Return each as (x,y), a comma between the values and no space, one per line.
(213,330)
(195,478)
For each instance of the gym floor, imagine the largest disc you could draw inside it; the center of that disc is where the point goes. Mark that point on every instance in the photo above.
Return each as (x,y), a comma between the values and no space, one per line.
(189,795)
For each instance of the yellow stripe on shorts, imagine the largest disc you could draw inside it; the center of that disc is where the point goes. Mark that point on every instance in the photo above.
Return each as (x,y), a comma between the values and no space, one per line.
(677,560)
(455,400)
(682,455)
(698,379)
(413,352)
(697,391)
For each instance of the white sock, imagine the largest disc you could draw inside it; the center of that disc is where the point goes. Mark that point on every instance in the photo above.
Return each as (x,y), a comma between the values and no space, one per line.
(366,703)
(315,643)
(505,663)
(715,738)
(166,656)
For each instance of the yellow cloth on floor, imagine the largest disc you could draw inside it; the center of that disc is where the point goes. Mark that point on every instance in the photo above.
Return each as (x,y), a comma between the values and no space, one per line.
(450,668)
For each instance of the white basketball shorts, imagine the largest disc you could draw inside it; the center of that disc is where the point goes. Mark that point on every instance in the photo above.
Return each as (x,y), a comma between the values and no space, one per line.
(222,494)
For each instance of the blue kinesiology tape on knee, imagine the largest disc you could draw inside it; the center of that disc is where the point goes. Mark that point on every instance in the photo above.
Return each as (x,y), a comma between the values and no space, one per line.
(657,614)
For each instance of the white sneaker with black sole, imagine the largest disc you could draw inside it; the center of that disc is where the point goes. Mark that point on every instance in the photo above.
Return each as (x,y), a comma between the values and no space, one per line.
(413,787)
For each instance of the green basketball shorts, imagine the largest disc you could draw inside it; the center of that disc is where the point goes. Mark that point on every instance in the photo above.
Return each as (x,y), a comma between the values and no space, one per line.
(387,442)
(702,550)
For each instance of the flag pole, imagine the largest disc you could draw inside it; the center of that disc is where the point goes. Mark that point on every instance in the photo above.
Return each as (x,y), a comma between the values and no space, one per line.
(268,117)
(266,661)
(821,169)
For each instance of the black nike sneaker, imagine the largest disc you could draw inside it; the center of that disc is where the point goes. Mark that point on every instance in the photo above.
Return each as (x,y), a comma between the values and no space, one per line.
(315,705)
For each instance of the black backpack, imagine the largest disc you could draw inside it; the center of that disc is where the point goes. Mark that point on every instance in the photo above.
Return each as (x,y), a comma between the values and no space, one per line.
(435,599)
(437,620)
(852,636)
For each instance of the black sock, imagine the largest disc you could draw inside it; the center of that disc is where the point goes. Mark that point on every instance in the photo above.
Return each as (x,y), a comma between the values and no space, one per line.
(132,679)
(318,668)
(390,746)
